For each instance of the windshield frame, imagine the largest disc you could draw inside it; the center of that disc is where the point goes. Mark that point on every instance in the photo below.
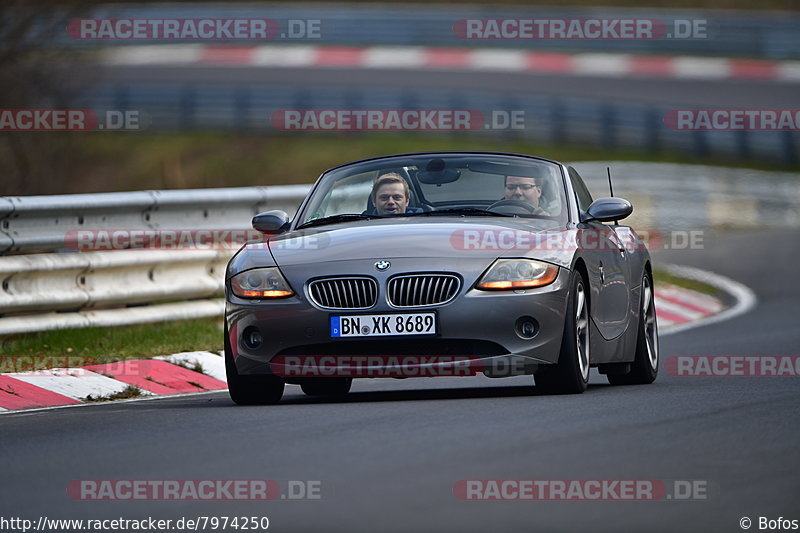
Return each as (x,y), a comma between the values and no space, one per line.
(565,191)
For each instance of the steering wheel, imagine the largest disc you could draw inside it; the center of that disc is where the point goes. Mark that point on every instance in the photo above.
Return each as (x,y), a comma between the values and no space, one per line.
(516,204)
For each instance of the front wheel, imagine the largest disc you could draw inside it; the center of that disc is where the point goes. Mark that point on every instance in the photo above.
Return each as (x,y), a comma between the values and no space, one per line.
(257,389)
(644,369)
(571,374)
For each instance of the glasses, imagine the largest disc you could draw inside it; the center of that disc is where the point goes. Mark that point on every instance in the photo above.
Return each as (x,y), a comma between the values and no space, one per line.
(522,186)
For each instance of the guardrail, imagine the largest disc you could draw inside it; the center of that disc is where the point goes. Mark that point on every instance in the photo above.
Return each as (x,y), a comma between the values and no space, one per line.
(557,120)
(44,223)
(42,291)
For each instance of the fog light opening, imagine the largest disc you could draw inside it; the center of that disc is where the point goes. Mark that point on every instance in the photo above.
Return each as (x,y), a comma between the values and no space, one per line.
(526,327)
(251,338)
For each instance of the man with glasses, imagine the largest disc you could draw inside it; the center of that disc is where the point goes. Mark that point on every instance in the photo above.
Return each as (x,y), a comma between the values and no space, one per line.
(525,189)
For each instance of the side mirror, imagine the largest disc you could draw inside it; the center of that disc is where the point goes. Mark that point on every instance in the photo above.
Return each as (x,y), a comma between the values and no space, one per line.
(271,222)
(609,209)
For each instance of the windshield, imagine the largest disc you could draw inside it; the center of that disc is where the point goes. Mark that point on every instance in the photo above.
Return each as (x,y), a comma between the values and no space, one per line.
(440,185)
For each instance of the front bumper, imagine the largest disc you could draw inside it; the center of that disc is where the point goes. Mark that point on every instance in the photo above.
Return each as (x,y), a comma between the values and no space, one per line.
(476,325)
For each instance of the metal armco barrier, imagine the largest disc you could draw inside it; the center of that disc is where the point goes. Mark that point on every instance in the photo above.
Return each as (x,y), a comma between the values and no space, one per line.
(75,281)
(42,291)
(43,223)
(557,120)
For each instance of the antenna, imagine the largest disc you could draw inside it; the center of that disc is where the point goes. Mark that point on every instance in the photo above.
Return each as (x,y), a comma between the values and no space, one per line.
(611,189)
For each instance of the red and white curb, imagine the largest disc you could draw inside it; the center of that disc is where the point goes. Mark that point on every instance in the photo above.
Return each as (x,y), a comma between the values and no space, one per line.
(676,305)
(480,59)
(190,372)
(677,309)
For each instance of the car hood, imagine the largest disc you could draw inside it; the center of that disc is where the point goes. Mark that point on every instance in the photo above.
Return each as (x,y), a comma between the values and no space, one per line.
(423,238)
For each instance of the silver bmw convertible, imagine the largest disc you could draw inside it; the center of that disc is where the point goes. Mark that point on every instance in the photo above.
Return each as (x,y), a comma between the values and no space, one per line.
(441,264)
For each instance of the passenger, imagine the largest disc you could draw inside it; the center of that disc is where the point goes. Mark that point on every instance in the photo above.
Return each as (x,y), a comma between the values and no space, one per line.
(527,190)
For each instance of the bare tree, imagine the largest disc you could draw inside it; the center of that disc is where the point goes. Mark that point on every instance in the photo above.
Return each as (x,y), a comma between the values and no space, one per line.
(34,72)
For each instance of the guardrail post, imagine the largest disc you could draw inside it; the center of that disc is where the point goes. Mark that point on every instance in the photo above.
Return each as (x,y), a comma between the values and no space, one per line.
(789,154)
(557,129)
(188,106)
(700,143)
(652,130)
(241,104)
(608,131)
(743,145)
(121,97)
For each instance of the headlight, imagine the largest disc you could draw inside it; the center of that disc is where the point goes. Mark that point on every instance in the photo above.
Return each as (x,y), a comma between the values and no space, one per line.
(509,274)
(260,283)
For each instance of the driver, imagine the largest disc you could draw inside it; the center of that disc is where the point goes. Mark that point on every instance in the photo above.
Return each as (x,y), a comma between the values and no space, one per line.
(525,189)
(390,195)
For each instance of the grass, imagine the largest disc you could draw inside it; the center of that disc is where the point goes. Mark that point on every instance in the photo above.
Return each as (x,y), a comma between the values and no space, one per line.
(128,392)
(110,162)
(194,366)
(660,276)
(81,347)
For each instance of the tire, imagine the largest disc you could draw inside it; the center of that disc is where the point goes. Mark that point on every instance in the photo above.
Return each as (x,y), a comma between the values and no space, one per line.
(571,374)
(326,386)
(644,368)
(263,389)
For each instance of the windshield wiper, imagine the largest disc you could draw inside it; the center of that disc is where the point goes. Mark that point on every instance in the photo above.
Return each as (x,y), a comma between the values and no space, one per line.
(333,219)
(460,211)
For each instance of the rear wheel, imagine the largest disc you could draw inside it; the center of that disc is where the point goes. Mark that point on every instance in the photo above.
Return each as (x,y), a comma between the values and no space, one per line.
(644,368)
(326,386)
(571,374)
(257,389)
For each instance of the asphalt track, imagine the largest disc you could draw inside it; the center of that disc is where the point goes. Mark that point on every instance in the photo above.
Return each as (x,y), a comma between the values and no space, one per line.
(389,455)
(748,94)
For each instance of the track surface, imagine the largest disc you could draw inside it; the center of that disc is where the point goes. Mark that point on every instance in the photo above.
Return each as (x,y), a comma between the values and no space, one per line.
(389,455)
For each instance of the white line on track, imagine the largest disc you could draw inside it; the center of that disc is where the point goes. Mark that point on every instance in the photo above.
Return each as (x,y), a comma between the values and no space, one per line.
(744,298)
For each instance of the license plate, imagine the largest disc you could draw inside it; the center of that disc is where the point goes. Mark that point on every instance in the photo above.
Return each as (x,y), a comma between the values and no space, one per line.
(383,325)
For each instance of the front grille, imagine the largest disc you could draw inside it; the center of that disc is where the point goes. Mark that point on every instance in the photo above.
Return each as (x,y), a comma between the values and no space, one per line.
(344,293)
(416,290)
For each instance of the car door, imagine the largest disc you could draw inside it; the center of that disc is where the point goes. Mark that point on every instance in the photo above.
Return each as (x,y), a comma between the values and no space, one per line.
(607,265)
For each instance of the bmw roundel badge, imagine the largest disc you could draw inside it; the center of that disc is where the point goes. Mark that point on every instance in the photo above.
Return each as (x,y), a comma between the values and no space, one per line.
(382,265)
